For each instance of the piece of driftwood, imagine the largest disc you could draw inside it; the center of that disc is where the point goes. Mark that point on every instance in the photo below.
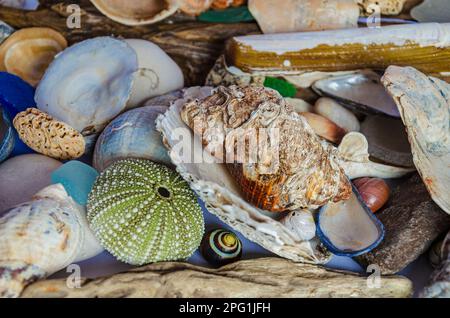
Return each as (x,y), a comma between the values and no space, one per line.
(412,222)
(195,46)
(265,277)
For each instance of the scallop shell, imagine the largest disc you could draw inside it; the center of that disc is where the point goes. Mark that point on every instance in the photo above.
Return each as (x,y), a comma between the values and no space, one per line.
(41,237)
(432,11)
(88,84)
(50,137)
(194,7)
(6,136)
(143,212)
(131,135)
(158,74)
(28,52)
(292,168)
(215,186)
(136,12)
(424,104)
(274,16)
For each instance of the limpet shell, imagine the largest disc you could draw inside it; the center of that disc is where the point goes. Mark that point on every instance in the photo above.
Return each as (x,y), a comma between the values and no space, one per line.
(28,52)
(45,135)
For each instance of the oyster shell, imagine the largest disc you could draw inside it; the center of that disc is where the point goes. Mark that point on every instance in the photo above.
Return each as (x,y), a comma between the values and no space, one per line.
(215,186)
(432,11)
(274,16)
(28,52)
(424,104)
(298,170)
(55,227)
(50,137)
(136,12)
(88,84)
(361,92)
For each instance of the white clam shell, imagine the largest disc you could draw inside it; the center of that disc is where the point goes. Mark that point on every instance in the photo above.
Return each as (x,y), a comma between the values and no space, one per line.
(158,74)
(302,223)
(41,237)
(424,105)
(354,154)
(89,83)
(341,116)
(215,186)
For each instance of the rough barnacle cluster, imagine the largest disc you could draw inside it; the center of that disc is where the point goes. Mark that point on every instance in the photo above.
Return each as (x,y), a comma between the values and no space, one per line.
(143,212)
(44,134)
(295,168)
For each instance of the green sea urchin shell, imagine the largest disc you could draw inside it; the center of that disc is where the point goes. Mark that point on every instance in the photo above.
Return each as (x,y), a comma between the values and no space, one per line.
(143,212)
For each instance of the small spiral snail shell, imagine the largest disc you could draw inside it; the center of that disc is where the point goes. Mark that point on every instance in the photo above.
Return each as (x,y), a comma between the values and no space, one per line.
(374,191)
(220,247)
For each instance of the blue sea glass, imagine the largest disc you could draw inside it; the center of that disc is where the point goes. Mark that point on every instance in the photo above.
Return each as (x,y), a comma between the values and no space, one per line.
(77,178)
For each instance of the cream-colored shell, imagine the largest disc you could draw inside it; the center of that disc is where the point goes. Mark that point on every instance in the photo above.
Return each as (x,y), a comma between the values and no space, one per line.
(215,186)
(386,7)
(28,52)
(194,7)
(354,154)
(275,16)
(136,12)
(338,114)
(41,237)
(50,137)
(424,105)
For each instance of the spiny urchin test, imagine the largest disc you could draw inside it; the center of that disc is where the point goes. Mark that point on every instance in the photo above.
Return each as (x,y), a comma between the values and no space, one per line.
(144,212)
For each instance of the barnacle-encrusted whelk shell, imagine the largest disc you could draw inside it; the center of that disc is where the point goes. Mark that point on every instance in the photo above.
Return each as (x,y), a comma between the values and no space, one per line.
(41,237)
(297,171)
(136,12)
(354,159)
(423,45)
(424,104)
(45,135)
(28,52)
(216,187)
(88,84)
(276,16)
